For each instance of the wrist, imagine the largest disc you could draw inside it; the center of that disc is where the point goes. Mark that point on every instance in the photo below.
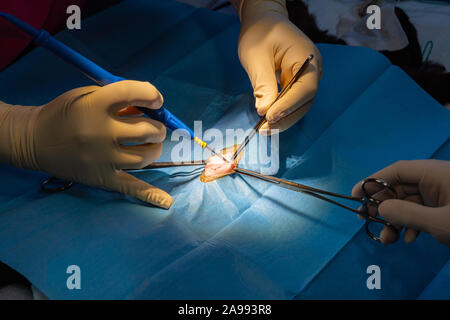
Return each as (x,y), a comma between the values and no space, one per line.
(17,126)
(257,9)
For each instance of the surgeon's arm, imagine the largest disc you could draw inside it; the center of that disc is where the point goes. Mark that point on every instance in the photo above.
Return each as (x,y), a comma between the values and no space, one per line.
(423,204)
(269,43)
(80,136)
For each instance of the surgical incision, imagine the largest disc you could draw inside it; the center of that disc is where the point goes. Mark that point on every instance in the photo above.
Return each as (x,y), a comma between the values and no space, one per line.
(217,168)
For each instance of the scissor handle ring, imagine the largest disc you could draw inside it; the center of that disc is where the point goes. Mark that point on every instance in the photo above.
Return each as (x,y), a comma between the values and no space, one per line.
(370,219)
(45,185)
(368,198)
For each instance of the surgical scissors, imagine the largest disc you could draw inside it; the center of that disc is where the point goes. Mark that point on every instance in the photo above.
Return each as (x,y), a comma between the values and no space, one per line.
(366,200)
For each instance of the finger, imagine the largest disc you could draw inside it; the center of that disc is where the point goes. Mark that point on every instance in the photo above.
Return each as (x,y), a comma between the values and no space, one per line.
(291,61)
(138,156)
(406,190)
(410,235)
(300,93)
(409,214)
(403,172)
(402,190)
(129,111)
(261,72)
(122,94)
(140,130)
(388,236)
(373,190)
(132,186)
(398,173)
(357,190)
(286,122)
(82,90)
(373,210)
(75,94)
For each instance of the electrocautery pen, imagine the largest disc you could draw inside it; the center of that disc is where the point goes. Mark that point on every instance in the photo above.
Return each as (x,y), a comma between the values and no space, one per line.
(99,75)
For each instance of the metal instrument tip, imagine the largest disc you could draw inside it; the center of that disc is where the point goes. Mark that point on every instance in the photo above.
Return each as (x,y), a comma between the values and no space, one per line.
(221,156)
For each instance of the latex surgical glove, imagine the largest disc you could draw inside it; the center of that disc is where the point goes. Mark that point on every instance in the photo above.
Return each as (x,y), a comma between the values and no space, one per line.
(80,137)
(269,44)
(423,204)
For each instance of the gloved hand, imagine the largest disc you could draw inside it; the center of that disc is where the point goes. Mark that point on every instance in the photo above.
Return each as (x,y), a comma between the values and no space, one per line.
(423,204)
(268,43)
(79,136)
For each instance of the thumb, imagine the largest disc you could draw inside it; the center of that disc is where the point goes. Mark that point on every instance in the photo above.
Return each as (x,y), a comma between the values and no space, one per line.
(410,214)
(132,186)
(261,73)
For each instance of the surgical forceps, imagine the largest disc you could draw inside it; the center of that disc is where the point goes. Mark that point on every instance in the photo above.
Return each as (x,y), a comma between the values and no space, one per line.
(53,184)
(366,200)
(280,95)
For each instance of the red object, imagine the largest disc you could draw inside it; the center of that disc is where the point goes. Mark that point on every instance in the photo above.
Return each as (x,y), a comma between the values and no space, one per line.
(42,14)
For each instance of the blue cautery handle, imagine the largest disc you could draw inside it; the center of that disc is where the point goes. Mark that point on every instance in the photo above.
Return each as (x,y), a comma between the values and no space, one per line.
(92,70)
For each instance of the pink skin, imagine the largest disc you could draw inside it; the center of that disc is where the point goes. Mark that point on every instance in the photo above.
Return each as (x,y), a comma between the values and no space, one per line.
(216,166)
